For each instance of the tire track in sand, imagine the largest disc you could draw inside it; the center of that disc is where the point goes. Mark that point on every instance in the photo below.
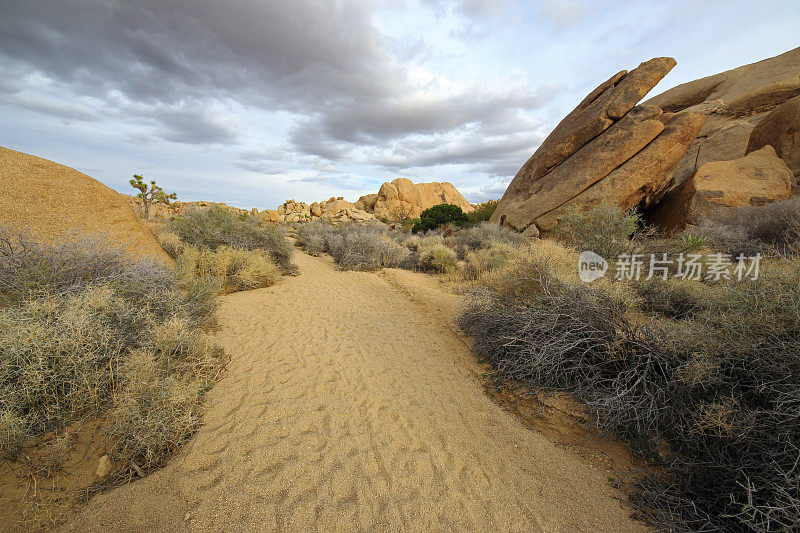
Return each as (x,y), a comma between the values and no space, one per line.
(350,404)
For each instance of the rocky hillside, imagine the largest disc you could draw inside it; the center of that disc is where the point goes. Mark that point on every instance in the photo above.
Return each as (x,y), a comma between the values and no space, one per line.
(717,143)
(52,201)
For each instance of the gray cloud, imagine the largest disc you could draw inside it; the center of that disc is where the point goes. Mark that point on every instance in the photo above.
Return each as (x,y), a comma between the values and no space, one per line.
(170,69)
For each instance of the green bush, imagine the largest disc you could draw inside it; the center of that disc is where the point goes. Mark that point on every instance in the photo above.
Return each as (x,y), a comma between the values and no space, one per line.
(439,215)
(70,336)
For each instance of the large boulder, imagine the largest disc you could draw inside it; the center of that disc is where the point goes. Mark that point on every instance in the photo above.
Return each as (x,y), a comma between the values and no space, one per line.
(643,179)
(401,198)
(734,101)
(781,130)
(52,201)
(600,135)
(758,178)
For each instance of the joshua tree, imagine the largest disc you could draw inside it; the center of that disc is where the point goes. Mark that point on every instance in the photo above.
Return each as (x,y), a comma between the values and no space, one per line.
(151,194)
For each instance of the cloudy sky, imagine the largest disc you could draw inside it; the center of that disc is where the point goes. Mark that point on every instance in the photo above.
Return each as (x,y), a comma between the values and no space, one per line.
(252,102)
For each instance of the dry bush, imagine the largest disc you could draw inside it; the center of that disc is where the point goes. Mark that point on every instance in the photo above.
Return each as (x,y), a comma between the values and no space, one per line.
(483,235)
(367,251)
(708,388)
(770,229)
(216,227)
(530,267)
(353,246)
(66,338)
(437,258)
(171,243)
(227,269)
(483,260)
(606,230)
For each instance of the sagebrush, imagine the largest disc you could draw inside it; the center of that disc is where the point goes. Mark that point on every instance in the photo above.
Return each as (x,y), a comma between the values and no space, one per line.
(85,331)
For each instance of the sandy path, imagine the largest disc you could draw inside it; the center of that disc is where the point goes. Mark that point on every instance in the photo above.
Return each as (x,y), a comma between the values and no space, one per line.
(351,404)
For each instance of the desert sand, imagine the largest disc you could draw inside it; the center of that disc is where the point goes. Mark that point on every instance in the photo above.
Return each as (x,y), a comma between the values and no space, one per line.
(352,404)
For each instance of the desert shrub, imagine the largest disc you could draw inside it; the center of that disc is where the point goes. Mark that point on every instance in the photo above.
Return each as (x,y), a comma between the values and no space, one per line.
(483,212)
(314,244)
(674,298)
(227,269)
(527,269)
(66,337)
(353,246)
(606,230)
(439,215)
(709,394)
(483,235)
(438,258)
(217,226)
(171,243)
(366,250)
(769,229)
(487,259)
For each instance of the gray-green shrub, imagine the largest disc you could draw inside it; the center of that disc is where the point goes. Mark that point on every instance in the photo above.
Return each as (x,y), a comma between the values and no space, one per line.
(70,339)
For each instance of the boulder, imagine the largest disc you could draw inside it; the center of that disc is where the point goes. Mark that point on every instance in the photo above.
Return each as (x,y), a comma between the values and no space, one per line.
(602,133)
(595,114)
(781,130)
(758,178)
(316,209)
(367,202)
(642,180)
(401,198)
(270,215)
(338,207)
(52,201)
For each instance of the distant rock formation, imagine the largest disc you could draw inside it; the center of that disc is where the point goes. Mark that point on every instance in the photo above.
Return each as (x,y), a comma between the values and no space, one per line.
(396,200)
(610,150)
(51,201)
(401,198)
(333,209)
(164,212)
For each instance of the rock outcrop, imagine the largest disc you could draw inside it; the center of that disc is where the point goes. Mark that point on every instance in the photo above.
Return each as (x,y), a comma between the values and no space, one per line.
(401,198)
(334,209)
(758,178)
(52,201)
(609,150)
(605,131)
(734,102)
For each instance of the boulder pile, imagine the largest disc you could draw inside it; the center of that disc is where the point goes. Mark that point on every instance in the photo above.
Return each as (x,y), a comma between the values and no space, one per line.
(727,140)
(399,199)
(333,209)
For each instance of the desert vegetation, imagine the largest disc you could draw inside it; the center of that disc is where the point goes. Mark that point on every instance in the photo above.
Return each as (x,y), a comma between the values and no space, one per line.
(87,333)
(699,376)
(227,250)
(466,252)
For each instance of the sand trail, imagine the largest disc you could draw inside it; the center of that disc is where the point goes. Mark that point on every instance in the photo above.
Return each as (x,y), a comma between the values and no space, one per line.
(350,404)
